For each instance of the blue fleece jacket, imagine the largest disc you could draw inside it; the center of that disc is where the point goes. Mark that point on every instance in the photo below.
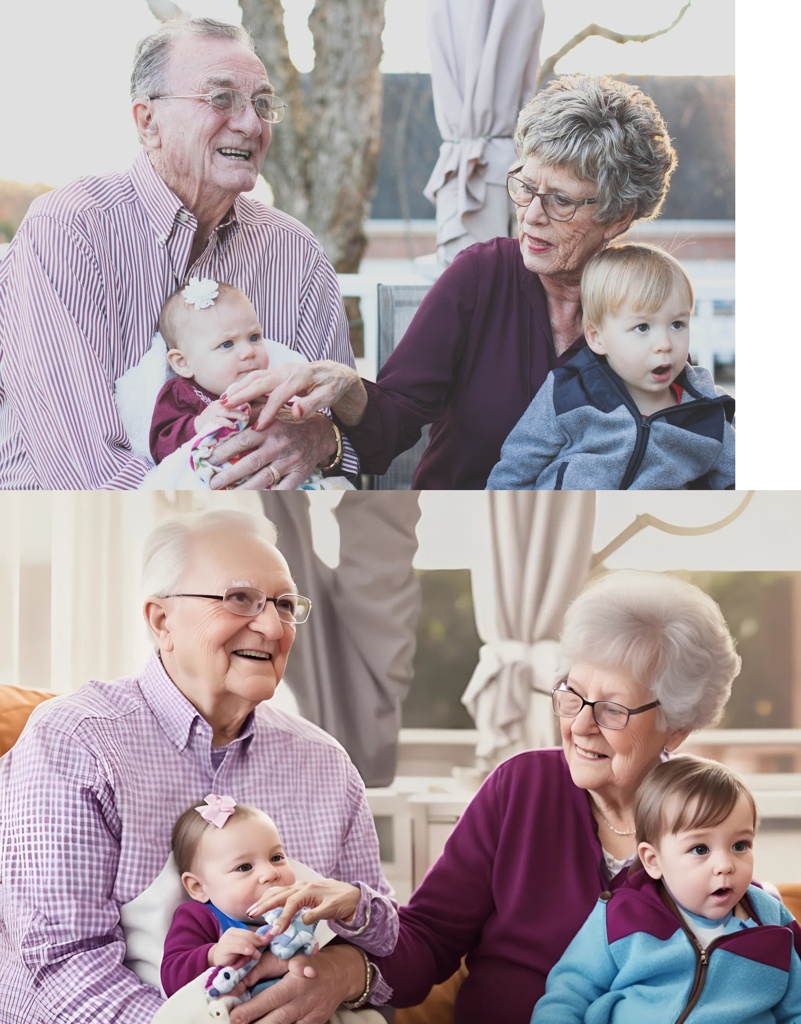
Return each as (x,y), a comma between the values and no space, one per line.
(583,431)
(634,961)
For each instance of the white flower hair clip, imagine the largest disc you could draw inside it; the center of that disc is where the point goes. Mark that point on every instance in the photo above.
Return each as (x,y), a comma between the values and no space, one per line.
(201,293)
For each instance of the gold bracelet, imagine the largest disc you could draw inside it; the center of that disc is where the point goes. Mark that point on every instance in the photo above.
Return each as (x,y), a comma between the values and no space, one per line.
(357,1004)
(334,463)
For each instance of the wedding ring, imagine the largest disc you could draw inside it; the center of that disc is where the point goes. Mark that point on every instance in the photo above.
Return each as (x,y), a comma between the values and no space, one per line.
(276,476)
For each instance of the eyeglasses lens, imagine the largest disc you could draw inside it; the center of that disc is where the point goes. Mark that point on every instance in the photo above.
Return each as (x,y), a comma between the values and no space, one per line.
(251,602)
(607,714)
(230,101)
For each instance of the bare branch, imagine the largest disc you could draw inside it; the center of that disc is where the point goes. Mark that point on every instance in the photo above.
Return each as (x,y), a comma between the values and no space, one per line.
(548,66)
(164,9)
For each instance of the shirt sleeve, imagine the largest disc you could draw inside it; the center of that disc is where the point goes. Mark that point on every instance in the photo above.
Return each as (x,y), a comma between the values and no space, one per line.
(436,929)
(375,924)
(59,858)
(413,385)
(173,421)
(585,972)
(186,949)
(56,345)
(533,444)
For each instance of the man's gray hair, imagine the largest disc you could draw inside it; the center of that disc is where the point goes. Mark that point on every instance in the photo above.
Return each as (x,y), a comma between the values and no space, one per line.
(605,131)
(152,55)
(663,632)
(168,548)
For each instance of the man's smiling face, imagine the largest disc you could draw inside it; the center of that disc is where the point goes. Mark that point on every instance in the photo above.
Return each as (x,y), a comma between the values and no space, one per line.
(201,154)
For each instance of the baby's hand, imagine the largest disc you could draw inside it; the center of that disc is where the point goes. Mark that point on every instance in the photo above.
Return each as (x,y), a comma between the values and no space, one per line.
(236,946)
(325,898)
(216,412)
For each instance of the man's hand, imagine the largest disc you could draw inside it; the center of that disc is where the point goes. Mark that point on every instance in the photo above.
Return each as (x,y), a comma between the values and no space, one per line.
(293,448)
(303,998)
(235,947)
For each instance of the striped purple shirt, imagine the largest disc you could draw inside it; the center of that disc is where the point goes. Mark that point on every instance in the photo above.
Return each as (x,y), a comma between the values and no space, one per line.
(81,289)
(88,798)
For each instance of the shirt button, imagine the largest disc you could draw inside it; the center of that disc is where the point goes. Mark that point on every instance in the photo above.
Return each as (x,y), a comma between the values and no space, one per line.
(183,216)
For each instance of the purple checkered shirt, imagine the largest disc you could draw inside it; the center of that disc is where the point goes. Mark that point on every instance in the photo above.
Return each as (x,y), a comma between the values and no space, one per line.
(88,798)
(81,289)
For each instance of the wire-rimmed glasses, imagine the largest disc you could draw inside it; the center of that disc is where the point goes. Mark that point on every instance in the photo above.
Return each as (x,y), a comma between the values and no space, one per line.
(231,103)
(250,602)
(607,713)
(555,205)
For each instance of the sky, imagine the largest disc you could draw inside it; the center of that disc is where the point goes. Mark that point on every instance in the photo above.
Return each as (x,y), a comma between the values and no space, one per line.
(85,55)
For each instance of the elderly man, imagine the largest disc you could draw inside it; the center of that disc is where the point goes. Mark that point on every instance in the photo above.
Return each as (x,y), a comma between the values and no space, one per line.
(85,278)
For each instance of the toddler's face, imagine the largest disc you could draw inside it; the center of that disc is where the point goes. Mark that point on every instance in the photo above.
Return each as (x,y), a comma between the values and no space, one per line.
(233,865)
(647,350)
(707,870)
(220,344)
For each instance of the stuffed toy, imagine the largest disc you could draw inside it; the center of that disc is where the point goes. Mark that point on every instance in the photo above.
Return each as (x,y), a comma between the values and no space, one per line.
(206,998)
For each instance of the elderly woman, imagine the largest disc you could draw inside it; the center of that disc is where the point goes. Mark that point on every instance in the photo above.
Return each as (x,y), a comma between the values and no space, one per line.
(91,791)
(595,157)
(651,659)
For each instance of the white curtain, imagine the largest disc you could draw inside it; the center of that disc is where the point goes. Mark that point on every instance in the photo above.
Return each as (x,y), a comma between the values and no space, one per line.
(71,598)
(541,550)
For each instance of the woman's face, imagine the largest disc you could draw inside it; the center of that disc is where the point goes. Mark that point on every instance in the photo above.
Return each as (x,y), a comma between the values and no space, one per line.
(560,248)
(215,656)
(612,762)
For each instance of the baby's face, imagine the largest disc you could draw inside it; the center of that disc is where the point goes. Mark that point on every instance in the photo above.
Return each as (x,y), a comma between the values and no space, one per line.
(233,865)
(221,344)
(707,870)
(646,350)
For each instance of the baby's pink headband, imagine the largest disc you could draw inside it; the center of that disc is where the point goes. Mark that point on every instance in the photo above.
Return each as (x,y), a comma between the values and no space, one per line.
(218,809)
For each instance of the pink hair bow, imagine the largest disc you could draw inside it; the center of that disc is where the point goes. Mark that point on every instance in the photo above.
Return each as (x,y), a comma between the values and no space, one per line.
(218,809)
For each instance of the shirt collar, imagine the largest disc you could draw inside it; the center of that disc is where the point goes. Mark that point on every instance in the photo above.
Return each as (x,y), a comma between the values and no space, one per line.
(161,205)
(175,714)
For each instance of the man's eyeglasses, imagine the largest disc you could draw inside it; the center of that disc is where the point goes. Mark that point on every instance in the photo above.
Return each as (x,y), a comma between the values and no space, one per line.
(556,206)
(609,715)
(231,103)
(250,602)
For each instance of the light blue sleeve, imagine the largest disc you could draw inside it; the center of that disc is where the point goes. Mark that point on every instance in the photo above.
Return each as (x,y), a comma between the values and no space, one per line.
(585,972)
(789,1009)
(533,444)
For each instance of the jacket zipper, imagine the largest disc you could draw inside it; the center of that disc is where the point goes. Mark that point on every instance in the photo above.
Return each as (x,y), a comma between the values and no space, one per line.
(643,426)
(701,955)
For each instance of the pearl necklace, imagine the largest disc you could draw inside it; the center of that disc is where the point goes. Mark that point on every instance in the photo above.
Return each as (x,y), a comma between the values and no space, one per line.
(609,824)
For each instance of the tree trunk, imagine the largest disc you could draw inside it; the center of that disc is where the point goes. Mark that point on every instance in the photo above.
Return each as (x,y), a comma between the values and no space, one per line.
(323,158)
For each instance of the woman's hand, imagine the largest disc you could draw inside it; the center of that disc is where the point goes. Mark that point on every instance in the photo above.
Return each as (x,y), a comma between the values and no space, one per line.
(313,386)
(235,947)
(325,897)
(306,995)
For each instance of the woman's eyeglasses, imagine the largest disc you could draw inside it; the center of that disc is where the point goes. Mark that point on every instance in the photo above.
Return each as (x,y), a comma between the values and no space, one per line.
(609,715)
(250,602)
(555,205)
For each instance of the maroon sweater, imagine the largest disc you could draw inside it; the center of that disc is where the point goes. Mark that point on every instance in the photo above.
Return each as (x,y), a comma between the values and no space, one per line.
(173,423)
(518,876)
(475,354)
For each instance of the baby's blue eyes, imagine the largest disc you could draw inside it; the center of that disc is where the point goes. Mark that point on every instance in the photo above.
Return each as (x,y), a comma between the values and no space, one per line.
(255,339)
(227,344)
(244,867)
(700,850)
